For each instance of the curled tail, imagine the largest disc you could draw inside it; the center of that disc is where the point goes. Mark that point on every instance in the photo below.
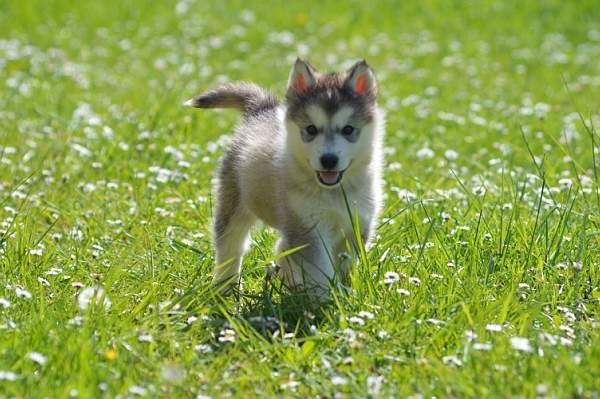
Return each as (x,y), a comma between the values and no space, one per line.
(246,97)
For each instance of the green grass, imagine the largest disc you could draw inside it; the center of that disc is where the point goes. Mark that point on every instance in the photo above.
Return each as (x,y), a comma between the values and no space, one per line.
(105,181)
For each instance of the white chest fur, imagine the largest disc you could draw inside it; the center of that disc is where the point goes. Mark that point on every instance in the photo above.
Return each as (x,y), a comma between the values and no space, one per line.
(333,219)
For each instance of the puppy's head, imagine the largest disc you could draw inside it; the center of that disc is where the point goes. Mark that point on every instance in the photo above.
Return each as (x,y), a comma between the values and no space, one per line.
(330,120)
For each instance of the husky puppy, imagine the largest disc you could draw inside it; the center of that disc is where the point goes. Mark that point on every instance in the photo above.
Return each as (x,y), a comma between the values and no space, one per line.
(309,167)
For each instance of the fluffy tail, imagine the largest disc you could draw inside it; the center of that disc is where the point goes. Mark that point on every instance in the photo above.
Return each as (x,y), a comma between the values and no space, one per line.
(246,97)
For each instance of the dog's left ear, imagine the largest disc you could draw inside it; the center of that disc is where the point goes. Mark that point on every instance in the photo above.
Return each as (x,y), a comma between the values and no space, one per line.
(361,79)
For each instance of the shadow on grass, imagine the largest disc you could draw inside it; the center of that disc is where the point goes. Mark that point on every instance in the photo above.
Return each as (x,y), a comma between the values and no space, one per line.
(272,313)
(276,312)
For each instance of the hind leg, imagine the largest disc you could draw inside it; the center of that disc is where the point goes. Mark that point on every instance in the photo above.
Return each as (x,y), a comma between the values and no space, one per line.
(232,225)
(232,229)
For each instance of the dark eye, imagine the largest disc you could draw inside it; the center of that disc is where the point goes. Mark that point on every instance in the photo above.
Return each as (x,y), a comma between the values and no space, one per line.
(347,130)
(312,130)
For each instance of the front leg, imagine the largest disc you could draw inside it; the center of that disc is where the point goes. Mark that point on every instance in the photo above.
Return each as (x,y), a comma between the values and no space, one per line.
(310,269)
(347,250)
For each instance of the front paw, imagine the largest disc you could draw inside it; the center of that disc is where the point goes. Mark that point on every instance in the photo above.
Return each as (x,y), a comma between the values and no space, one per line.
(292,281)
(226,286)
(318,291)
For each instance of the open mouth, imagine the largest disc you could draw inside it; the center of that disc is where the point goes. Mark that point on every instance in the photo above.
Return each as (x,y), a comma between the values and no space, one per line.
(329,177)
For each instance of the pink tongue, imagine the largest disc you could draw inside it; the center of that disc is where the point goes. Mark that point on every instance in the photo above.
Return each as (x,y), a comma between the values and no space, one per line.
(329,177)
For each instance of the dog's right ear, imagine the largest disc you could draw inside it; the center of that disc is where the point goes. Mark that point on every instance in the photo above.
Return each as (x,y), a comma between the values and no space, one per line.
(302,77)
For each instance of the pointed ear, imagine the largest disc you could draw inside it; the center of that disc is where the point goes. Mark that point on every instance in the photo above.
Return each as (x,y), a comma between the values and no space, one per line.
(361,80)
(302,77)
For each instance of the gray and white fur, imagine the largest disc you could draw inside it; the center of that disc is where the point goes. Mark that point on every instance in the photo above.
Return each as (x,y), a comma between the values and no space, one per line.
(289,165)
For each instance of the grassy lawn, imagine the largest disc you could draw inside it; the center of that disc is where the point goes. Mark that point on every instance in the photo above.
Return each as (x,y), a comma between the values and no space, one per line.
(483,280)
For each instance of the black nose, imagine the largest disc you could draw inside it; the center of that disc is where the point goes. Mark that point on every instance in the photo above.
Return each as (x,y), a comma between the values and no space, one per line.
(329,161)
